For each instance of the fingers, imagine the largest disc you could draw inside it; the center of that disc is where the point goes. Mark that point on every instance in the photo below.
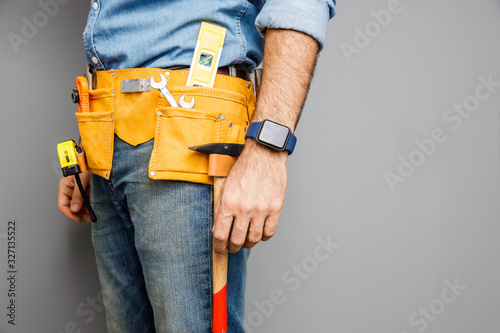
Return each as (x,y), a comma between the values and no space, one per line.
(249,227)
(254,234)
(239,233)
(66,186)
(85,215)
(270,227)
(70,202)
(261,231)
(231,216)
(220,231)
(76,200)
(250,202)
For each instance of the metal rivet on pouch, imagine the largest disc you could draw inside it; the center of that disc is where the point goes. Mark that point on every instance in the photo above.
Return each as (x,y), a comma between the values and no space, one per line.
(152,173)
(221,116)
(230,124)
(248,86)
(113,73)
(159,113)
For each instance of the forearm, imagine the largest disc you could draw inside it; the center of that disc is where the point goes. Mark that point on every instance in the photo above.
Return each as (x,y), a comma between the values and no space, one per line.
(253,195)
(289,61)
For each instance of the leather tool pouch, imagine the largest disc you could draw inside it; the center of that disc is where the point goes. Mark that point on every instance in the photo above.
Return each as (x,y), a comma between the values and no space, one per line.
(221,114)
(97,134)
(218,116)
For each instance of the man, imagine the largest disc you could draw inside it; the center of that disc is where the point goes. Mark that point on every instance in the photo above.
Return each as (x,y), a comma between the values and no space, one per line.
(153,238)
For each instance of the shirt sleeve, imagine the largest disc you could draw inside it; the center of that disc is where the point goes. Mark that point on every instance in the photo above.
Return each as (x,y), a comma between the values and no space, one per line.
(307,16)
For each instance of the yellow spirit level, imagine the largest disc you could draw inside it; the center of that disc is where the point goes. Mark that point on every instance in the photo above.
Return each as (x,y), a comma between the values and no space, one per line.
(206,55)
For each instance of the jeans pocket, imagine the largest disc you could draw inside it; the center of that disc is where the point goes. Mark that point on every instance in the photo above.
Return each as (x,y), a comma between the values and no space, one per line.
(97,134)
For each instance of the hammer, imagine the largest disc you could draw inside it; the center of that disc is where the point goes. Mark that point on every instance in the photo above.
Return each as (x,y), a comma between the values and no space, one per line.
(221,157)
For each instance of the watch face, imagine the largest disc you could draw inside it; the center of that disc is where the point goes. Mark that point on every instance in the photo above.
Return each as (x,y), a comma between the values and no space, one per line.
(273,134)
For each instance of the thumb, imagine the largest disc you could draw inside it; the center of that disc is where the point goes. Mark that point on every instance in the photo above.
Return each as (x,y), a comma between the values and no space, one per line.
(76,200)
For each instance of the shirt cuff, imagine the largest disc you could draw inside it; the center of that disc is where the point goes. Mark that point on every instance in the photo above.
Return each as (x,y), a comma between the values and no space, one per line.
(307,16)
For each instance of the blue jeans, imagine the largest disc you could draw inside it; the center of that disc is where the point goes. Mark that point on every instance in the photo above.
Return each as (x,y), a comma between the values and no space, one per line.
(153,247)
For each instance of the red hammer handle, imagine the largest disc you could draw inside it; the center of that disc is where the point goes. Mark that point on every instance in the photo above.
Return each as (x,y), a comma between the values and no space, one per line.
(219,278)
(221,158)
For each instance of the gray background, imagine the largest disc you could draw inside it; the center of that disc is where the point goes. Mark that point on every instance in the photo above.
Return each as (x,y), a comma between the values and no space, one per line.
(395,249)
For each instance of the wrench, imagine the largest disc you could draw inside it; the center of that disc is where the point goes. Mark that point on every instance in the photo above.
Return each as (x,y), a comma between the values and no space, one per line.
(162,86)
(186,104)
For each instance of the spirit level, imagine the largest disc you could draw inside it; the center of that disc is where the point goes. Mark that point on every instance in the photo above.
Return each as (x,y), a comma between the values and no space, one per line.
(206,55)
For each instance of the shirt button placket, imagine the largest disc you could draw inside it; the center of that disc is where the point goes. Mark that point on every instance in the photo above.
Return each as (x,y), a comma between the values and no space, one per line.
(95,6)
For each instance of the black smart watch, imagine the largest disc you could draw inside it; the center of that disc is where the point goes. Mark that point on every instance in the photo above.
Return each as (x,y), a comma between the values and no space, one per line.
(272,135)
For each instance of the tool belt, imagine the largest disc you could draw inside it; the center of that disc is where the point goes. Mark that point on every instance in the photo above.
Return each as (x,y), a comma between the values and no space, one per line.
(220,114)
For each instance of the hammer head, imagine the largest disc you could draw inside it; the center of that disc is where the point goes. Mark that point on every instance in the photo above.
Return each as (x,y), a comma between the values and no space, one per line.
(229,149)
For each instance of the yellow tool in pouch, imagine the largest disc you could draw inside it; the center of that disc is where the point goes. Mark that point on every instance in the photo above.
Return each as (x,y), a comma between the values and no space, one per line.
(206,55)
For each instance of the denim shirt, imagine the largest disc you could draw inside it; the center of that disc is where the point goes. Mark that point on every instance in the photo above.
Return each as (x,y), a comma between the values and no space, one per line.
(154,33)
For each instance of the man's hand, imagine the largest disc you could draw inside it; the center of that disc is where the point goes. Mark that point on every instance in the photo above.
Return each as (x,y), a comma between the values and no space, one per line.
(252,198)
(70,201)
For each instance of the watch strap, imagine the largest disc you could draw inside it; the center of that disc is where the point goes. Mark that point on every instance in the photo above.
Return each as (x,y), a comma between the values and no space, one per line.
(253,130)
(290,144)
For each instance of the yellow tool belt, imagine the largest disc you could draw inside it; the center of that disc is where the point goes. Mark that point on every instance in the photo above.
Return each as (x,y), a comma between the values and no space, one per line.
(220,114)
